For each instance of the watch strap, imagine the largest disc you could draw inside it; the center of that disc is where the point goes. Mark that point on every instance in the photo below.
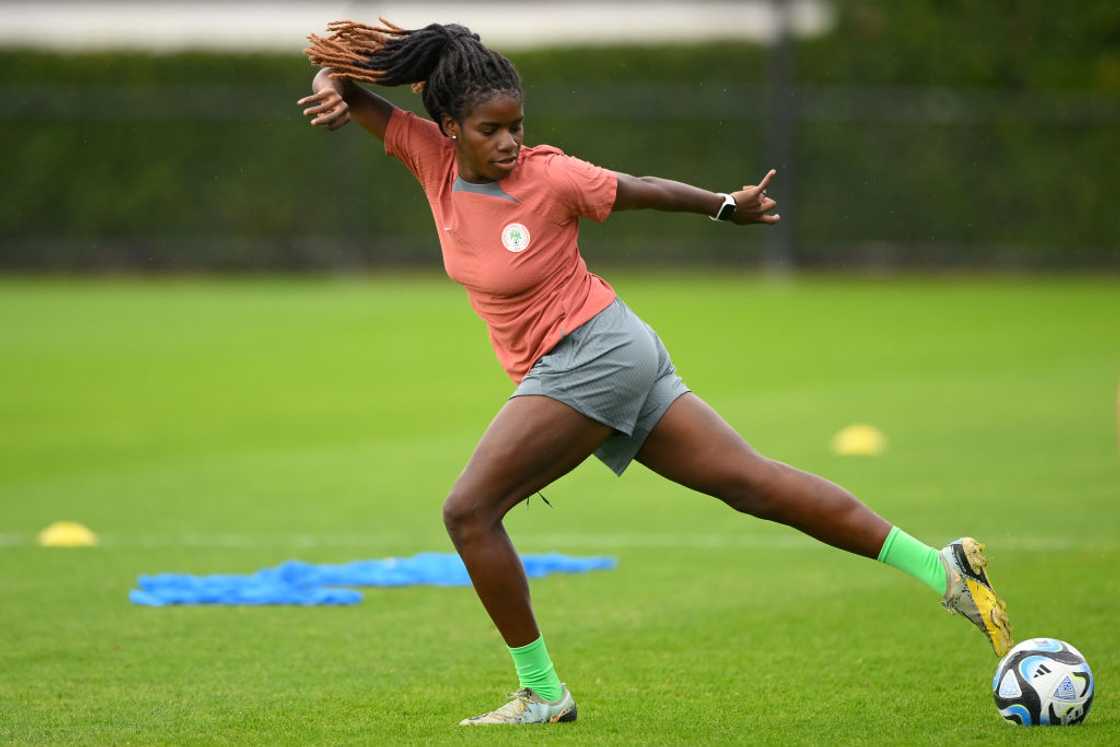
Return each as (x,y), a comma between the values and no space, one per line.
(727,209)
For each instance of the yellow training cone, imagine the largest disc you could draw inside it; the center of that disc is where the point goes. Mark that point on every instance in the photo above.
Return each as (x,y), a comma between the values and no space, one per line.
(859,440)
(67,534)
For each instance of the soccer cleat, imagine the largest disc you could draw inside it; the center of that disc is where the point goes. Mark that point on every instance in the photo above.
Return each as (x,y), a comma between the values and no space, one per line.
(528,708)
(970,593)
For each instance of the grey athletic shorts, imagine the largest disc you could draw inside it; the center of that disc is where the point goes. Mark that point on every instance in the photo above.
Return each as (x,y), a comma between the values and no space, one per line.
(613,369)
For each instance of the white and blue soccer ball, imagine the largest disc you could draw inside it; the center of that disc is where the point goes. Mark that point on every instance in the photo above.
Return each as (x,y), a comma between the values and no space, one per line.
(1043,682)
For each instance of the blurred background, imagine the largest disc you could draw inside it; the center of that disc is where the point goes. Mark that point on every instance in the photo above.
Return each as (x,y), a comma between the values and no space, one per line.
(164,136)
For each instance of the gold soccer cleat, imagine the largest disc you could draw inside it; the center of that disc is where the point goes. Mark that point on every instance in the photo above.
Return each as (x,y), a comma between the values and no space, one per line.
(970,593)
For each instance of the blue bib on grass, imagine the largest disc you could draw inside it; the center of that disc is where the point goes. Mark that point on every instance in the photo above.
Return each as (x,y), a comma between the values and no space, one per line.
(295,582)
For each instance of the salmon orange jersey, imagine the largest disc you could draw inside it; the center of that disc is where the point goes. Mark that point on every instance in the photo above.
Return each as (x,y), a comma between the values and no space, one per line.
(512,243)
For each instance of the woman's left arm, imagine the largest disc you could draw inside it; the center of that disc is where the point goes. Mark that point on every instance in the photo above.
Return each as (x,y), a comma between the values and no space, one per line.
(752,204)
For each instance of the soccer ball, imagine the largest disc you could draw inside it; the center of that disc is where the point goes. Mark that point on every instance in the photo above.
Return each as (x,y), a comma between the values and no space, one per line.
(1043,681)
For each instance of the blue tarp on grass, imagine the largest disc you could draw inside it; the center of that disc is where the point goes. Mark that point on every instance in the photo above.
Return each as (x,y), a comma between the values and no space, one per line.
(297,583)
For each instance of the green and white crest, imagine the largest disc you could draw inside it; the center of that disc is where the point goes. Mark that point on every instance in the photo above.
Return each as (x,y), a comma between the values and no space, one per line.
(515,238)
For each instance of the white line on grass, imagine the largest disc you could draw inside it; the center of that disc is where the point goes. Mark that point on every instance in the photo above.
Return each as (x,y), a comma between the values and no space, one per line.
(14,540)
(600,542)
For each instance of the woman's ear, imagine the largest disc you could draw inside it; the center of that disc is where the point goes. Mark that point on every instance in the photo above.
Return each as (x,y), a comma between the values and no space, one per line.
(451,127)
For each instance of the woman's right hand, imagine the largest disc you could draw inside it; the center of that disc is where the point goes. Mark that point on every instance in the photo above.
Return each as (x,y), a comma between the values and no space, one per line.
(326,106)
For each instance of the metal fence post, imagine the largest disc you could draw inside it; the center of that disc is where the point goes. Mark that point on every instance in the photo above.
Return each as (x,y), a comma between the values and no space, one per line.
(781,135)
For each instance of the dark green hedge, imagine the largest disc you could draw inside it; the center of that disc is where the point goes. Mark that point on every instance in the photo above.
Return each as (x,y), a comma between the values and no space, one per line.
(928,132)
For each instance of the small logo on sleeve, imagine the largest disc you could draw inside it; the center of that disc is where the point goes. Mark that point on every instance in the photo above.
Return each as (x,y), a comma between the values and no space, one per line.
(515,238)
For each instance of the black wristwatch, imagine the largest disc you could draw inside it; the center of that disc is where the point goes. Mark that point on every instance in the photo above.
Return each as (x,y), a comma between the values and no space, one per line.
(726,210)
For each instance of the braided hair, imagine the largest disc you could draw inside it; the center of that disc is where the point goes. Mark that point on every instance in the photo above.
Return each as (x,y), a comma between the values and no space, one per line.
(446,64)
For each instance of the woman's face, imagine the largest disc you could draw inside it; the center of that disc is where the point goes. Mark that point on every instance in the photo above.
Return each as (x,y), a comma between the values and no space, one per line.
(489,139)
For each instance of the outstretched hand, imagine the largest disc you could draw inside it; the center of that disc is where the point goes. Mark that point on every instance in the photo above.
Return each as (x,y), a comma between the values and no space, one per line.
(326,107)
(753,205)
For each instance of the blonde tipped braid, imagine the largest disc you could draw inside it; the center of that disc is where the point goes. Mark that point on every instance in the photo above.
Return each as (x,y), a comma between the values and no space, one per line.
(348,48)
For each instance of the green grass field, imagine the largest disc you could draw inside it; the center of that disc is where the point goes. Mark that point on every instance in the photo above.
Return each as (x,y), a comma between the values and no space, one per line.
(226,425)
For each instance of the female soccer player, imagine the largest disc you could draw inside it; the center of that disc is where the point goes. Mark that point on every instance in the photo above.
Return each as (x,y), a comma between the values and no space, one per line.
(591,377)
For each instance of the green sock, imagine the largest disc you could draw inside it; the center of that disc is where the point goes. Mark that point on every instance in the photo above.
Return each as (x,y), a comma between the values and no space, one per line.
(535,670)
(918,559)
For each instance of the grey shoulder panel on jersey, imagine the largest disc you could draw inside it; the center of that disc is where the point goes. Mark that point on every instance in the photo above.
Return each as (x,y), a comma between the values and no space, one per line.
(491,189)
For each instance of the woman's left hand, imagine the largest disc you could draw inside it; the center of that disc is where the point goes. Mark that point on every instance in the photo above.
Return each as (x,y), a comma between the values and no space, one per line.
(753,205)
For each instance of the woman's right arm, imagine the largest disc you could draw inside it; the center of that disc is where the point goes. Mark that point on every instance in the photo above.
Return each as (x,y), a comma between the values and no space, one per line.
(336,101)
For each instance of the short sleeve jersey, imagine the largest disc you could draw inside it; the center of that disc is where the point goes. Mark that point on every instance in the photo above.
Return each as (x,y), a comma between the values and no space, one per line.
(513,244)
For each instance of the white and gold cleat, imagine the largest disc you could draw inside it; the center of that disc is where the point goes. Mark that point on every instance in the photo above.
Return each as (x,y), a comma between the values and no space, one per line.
(528,708)
(970,593)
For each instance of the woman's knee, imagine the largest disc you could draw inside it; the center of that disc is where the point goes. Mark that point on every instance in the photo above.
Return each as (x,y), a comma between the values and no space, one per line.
(457,514)
(465,516)
(755,489)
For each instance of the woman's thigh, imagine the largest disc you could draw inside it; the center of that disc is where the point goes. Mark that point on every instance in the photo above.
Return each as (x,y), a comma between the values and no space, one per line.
(695,447)
(532,441)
